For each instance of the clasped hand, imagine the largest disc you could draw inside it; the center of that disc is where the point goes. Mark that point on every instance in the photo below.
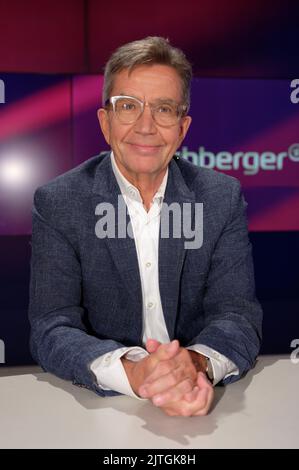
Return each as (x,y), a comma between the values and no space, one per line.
(168,377)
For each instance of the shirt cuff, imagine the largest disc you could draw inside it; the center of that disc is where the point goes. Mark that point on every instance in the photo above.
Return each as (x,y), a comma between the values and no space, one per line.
(110,372)
(221,365)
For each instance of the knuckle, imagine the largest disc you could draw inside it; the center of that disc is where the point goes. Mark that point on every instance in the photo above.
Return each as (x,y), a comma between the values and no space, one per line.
(164,367)
(189,384)
(175,376)
(183,373)
(183,354)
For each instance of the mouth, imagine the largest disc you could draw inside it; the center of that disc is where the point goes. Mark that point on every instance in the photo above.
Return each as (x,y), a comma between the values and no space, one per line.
(145,149)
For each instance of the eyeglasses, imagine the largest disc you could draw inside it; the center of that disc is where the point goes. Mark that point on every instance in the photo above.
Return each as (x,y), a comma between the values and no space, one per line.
(129,109)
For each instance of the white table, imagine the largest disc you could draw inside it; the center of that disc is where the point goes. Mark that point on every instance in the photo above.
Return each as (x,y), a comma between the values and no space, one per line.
(38,410)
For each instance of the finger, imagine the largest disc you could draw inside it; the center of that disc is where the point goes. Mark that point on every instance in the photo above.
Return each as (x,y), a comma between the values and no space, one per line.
(166,382)
(164,377)
(206,398)
(194,408)
(202,397)
(173,394)
(180,365)
(169,412)
(163,352)
(202,379)
(202,403)
(190,396)
(204,411)
(167,351)
(163,368)
(152,345)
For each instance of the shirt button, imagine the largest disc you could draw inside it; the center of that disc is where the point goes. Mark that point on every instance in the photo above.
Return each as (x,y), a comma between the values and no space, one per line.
(132,192)
(148,264)
(150,305)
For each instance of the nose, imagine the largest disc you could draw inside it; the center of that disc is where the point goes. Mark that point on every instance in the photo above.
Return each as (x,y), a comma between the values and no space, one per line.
(145,123)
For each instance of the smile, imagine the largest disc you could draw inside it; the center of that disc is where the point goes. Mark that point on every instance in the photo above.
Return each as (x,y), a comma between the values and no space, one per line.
(145,149)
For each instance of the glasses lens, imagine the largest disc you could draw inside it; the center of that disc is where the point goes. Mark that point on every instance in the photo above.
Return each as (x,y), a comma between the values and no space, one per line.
(166,114)
(127,109)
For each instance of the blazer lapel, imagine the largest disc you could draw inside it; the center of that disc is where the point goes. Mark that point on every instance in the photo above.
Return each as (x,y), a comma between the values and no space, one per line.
(123,251)
(172,250)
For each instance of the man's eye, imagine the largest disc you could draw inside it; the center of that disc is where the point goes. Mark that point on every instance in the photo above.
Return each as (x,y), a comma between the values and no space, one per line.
(128,106)
(165,109)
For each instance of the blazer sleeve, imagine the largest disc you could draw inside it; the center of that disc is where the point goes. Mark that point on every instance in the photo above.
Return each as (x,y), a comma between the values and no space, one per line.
(59,340)
(233,315)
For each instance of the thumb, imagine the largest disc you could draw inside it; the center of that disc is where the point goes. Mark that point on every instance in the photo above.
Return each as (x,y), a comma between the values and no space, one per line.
(152,345)
(168,350)
(202,379)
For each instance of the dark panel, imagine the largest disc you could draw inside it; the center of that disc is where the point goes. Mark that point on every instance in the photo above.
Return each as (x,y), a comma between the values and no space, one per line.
(15,255)
(221,39)
(45,36)
(276,261)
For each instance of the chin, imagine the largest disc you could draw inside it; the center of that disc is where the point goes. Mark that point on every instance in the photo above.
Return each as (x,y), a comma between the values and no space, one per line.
(145,165)
(148,167)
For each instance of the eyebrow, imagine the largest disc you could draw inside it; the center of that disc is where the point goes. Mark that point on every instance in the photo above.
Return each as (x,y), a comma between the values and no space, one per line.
(157,100)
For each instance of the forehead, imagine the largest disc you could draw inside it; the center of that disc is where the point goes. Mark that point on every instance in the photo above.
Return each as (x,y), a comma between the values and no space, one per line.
(149,82)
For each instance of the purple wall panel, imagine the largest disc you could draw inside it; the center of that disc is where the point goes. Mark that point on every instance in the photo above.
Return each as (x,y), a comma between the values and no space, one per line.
(35,143)
(245,128)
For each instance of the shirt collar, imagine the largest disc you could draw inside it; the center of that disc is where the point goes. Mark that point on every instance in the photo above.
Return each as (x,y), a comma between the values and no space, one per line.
(130,190)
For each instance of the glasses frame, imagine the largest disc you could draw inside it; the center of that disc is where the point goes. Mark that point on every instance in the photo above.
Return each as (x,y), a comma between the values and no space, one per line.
(181,109)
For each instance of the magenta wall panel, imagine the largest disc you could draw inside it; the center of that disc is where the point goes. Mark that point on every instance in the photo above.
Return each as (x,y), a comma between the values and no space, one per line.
(88,139)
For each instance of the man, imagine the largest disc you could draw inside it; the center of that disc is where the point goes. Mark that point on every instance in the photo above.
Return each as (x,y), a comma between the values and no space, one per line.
(145,315)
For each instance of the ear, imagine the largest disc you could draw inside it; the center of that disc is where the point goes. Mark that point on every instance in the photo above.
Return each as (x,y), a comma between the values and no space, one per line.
(104,123)
(184,126)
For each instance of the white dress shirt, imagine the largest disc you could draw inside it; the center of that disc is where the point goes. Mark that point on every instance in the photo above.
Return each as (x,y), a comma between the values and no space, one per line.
(108,368)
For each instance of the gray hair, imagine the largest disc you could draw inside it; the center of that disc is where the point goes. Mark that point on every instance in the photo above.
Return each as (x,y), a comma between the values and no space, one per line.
(149,51)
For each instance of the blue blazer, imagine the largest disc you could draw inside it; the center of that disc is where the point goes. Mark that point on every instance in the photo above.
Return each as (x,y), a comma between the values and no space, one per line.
(85,292)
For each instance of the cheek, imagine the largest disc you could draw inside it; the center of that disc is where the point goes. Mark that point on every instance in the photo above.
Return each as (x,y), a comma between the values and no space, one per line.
(118,134)
(173,138)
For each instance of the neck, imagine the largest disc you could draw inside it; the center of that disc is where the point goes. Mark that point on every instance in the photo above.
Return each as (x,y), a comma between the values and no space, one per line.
(146,183)
(147,186)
